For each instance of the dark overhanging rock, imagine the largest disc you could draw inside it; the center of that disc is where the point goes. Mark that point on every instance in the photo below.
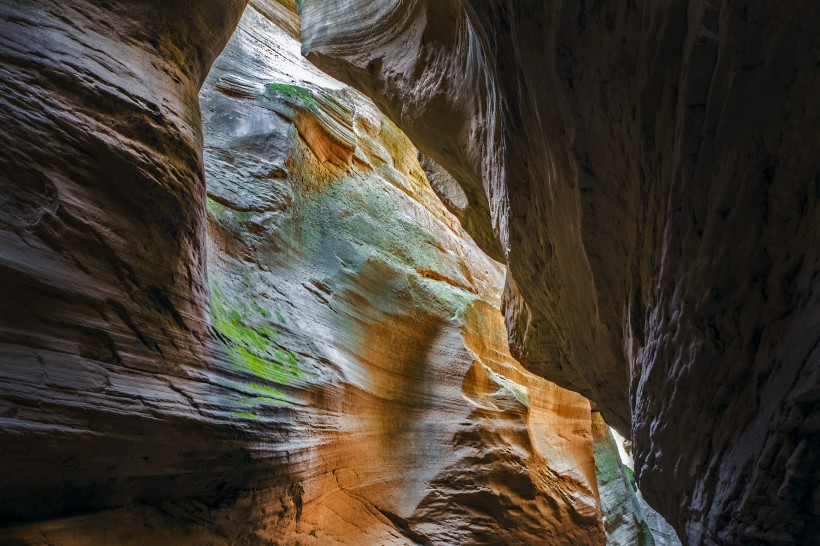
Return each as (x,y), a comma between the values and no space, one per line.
(650,172)
(107,271)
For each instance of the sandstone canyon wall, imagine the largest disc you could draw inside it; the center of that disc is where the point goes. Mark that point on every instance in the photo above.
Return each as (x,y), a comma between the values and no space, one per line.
(311,353)
(649,173)
(102,262)
(415,425)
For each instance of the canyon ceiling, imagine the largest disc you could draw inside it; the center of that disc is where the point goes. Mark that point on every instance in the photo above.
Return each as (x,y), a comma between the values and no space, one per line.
(242,307)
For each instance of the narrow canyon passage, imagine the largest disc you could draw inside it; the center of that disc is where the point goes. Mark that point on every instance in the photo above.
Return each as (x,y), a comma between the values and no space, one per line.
(244,307)
(338,279)
(354,357)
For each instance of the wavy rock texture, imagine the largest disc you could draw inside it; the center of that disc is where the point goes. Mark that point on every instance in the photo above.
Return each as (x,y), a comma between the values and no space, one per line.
(360,318)
(341,376)
(648,171)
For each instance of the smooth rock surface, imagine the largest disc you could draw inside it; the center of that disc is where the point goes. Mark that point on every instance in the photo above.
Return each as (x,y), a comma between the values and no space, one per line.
(649,172)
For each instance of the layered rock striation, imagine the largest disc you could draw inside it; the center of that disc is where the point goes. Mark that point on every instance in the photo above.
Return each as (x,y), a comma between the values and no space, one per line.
(648,172)
(311,353)
(102,238)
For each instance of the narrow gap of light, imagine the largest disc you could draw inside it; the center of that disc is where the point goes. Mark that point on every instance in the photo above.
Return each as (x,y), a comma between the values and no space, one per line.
(619,441)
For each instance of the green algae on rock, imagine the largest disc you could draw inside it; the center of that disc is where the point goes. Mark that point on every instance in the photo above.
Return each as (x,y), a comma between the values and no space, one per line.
(253,348)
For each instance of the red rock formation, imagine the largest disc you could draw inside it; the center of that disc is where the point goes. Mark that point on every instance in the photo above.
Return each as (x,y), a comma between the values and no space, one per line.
(648,171)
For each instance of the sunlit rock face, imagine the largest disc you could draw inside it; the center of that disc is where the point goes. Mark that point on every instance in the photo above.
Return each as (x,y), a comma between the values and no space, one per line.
(648,171)
(362,322)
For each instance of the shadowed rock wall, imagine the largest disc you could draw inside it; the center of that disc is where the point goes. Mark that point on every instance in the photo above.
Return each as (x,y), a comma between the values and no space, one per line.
(648,171)
(102,259)
(360,318)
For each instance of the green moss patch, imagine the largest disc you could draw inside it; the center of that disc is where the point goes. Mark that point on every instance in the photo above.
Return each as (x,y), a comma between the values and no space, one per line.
(251,344)
(227,215)
(301,96)
(244,415)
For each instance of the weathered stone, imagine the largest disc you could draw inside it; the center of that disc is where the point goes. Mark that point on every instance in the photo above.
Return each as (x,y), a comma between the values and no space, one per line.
(102,319)
(408,420)
(628,520)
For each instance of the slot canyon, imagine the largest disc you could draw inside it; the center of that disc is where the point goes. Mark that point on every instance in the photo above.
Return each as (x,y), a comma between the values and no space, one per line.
(409,272)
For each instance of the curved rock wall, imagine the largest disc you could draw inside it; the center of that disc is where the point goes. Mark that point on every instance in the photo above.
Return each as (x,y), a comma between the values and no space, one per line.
(341,374)
(360,318)
(101,252)
(648,170)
